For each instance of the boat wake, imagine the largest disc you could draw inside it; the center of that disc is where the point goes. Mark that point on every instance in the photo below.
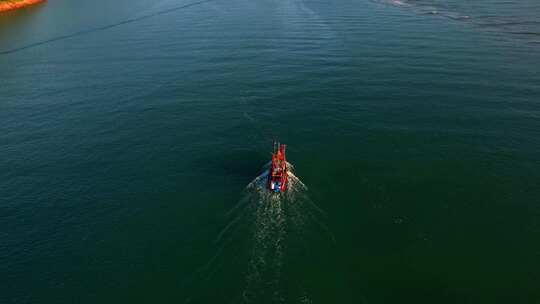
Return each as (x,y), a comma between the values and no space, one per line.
(274,216)
(270,234)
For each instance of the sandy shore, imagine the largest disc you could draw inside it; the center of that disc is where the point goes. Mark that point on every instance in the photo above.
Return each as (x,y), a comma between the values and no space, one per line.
(7,5)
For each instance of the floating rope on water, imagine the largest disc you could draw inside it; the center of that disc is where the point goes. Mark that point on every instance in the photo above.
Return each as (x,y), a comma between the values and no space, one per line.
(103,28)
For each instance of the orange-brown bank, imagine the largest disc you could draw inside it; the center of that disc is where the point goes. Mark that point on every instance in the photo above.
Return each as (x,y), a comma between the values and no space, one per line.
(7,5)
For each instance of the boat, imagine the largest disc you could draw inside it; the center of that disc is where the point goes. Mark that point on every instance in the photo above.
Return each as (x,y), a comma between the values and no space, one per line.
(277,176)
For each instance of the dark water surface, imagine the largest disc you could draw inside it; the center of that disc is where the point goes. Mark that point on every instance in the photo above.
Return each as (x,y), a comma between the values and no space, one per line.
(130,129)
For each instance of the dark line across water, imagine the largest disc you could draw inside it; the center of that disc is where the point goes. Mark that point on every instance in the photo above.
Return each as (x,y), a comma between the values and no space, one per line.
(102,28)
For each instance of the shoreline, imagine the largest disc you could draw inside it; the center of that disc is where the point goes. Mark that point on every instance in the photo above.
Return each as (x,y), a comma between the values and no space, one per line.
(8,5)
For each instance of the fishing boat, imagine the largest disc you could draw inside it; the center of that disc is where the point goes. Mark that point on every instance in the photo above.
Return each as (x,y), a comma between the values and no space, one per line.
(277,176)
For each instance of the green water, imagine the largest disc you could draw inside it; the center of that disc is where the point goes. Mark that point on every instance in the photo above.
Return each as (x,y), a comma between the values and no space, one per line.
(130,129)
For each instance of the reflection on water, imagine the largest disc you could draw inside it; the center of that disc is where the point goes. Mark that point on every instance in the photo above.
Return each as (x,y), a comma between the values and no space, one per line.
(517,18)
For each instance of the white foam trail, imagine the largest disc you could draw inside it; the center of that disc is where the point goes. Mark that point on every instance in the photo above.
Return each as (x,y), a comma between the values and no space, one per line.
(275,215)
(275,226)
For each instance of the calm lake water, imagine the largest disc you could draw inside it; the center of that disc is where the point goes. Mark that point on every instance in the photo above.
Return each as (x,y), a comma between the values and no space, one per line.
(129,131)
